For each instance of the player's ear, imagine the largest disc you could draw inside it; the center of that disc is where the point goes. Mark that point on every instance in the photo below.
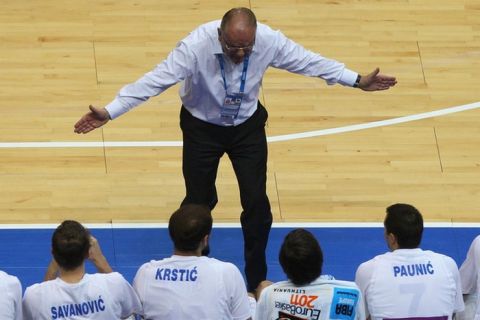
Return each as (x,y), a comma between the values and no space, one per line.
(391,240)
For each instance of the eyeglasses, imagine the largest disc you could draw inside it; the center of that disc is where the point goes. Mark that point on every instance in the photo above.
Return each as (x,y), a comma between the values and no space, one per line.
(235,49)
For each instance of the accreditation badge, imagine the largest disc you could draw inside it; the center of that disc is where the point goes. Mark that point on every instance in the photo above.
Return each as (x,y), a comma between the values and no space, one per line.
(231,106)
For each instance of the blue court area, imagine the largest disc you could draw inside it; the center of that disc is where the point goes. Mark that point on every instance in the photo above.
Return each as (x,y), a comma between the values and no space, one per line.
(26,252)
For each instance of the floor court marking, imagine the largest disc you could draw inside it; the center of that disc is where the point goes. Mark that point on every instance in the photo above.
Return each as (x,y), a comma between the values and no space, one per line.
(307,225)
(286,137)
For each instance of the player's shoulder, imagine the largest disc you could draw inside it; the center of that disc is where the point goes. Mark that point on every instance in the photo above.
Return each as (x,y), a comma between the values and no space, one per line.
(38,289)
(441,259)
(111,276)
(371,263)
(277,288)
(438,255)
(476,242)
(153,264)
(332,284)
(367,269)
(223,266)
(280,284)
(111,279)
(343,283)
(8,279)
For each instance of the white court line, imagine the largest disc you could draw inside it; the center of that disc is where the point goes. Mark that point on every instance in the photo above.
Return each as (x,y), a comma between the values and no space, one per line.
(285,137)
(307,225)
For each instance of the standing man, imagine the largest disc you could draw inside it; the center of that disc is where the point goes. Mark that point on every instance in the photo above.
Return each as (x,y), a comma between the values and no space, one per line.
(408,282)
(188,285)
(221,66)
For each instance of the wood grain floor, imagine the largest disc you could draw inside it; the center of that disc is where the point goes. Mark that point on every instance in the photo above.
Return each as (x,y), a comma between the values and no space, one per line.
(58,57)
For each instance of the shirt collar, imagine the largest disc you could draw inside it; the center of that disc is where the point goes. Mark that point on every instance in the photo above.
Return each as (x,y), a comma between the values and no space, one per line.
(407,251)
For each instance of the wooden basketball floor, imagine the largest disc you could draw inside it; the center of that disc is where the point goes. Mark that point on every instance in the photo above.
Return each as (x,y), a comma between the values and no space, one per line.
(57,57)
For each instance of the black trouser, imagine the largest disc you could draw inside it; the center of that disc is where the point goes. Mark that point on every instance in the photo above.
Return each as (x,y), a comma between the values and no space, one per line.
(246,146)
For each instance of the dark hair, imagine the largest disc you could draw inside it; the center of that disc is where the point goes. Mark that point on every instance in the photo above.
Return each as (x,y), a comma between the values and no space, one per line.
(70,244)
(301,257)
(406,223)
(251,19)
(189,225)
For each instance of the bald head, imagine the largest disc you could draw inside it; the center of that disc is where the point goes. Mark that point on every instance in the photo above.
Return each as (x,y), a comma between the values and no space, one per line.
(239,18)
(237,33)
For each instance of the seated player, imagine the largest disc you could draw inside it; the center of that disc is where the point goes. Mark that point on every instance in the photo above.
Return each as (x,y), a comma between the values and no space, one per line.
(76,294)
(408,282)
(470,276)
(306,294)
(10,297)
(190,285)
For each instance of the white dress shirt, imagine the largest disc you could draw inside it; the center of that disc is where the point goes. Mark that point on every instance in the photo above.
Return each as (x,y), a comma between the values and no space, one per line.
(194,61)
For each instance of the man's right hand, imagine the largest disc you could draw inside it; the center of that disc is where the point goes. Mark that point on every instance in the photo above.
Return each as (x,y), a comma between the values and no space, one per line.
(92,120)
(95,255)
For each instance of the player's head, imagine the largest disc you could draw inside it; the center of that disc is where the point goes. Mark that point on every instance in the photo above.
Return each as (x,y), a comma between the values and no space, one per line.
(301,257)
(189,225)
(70,244)
(403,226)
(237,33)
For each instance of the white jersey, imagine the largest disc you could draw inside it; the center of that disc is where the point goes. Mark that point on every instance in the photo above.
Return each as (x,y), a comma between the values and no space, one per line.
(104,296)
(10,297)
(410,283)
(320,300)
(470,276)
(191,287)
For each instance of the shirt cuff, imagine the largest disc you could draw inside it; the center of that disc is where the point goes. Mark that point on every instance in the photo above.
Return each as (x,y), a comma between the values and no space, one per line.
(348,77)
(115,109)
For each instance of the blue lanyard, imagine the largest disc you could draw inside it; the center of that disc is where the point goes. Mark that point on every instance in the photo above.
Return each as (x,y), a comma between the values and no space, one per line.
(244,72)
